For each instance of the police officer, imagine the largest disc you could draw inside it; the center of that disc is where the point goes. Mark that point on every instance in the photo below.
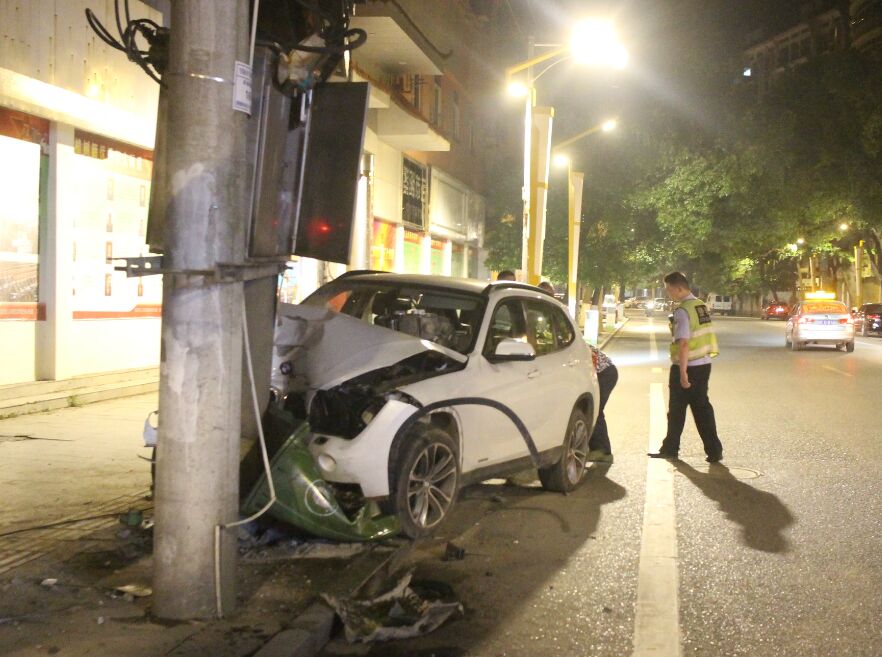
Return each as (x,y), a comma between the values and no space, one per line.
(693,344)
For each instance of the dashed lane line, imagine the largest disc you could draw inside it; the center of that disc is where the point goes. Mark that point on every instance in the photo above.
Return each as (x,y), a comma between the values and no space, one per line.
(653,344)
(833,369)
(657,617)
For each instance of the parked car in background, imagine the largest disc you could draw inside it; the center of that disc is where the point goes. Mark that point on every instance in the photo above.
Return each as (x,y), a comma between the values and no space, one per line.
(661,304)
(776,310)
(719,303)
(868,319)
(638,302)
(414,386)
(820,322)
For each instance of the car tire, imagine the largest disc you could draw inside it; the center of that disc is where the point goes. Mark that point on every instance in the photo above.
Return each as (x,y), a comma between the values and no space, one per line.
(425,480)
(795,345)
(787,342)
(849,346)
(864,332)
(564,475)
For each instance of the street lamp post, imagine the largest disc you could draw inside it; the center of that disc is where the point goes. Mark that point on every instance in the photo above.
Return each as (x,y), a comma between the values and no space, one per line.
(593,42)
(575,183)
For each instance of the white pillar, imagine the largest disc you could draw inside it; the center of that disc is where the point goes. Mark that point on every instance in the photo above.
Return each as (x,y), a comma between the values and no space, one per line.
(54,359)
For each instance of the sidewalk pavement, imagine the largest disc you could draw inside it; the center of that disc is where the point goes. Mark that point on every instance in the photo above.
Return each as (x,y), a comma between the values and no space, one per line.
(67,476)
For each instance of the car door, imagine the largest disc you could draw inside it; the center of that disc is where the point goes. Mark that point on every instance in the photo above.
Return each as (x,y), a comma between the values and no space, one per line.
(489,437)
(556,393)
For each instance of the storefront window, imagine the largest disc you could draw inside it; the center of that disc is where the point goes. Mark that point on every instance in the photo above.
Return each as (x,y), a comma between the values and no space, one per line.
(112,183)
(383,246)
(23,170)
(438,256)
(457,262)
(413,249)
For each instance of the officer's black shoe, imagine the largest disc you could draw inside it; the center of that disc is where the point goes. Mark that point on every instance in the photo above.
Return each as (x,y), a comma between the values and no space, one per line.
(661,454)
(715,458)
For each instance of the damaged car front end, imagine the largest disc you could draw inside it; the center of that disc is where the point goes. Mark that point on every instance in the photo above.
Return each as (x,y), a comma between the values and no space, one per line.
(342,383)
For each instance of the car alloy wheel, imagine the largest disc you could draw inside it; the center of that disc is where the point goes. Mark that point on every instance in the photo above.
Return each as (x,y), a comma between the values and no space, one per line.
(431,485)
(424,478)
(564,475)
(576,457)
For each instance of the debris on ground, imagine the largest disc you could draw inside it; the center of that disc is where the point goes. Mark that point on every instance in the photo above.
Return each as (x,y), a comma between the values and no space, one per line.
(294,549)
(49,581)
(134,590)
(453,552)
(406,610)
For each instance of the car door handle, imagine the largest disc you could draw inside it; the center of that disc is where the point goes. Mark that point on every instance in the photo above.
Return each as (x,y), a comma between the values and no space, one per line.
(533,374)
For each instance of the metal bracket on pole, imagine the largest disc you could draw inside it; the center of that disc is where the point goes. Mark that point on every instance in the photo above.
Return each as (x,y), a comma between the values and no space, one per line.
(223,272)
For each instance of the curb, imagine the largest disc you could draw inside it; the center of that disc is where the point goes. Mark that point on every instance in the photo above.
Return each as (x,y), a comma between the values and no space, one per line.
(609,337)
(308,634)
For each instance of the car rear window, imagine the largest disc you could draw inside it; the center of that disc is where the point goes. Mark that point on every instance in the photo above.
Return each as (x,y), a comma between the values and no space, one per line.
(874,308)
(824,307)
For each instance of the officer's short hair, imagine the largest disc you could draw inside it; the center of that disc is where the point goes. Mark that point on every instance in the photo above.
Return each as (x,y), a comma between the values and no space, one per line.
(505,275)
(677,279)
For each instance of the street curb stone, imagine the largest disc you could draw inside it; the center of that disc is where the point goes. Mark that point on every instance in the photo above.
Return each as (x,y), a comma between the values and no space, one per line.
(308,634)
(614,333)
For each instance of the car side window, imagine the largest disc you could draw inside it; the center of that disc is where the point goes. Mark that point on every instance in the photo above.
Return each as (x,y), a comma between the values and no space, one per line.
(540,327)
(563,329)
(507,323)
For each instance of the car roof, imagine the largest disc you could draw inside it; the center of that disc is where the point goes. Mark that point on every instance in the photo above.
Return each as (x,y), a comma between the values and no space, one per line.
(471,285)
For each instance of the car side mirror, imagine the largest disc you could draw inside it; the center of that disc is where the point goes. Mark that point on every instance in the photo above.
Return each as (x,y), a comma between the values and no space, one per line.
(511,350)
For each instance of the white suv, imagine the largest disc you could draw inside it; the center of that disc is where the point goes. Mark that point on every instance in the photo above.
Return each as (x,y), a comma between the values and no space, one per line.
(415,386)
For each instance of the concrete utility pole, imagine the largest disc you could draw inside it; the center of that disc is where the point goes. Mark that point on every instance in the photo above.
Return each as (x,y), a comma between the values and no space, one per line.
(197,484)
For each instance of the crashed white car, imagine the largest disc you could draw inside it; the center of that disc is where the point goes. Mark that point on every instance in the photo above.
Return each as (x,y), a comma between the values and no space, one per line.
(415,386)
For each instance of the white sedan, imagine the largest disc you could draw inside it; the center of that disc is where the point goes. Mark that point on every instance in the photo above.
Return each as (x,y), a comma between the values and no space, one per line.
(820,322)
(415,386)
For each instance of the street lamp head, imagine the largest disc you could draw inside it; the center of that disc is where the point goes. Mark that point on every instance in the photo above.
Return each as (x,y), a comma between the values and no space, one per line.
(843,226)
(609,125)
(518,89)
(561,160)
(595,42)
(800,241)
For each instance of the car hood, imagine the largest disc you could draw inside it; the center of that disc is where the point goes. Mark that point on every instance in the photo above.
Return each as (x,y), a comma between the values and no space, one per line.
(317,349)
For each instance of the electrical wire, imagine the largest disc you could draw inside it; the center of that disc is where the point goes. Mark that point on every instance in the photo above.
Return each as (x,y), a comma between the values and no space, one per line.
(152,60)
(266,465)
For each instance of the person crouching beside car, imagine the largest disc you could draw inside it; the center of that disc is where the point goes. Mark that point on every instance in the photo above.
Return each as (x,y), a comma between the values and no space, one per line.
(599,449)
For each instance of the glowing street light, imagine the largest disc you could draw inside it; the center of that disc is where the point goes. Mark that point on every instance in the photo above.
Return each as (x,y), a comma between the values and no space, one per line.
(800,241)
(843,226)
(518,89)
(610,125)
(594,42)
(561,160)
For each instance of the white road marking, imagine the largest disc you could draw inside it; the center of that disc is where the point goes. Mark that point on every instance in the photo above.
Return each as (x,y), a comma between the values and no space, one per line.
(657,617)
(833,369)
(656,370)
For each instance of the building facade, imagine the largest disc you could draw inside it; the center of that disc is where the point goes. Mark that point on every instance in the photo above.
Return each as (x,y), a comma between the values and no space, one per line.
(77,130)
(77,125)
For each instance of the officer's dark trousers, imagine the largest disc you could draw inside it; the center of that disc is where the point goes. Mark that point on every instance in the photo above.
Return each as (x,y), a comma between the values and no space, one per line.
(694,397)
(606,381)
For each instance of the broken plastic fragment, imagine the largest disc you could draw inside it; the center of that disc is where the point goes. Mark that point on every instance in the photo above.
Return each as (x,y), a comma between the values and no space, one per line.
(400,613)
(306,500)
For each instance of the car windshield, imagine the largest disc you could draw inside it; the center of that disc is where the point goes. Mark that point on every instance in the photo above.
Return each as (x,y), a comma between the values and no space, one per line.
(826,307)
(445,317)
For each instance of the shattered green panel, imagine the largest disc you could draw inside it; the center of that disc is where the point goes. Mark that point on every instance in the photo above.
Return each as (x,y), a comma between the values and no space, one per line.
(305,500)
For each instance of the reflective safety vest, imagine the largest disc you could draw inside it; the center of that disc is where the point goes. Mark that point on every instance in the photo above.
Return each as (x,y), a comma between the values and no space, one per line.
(703,341)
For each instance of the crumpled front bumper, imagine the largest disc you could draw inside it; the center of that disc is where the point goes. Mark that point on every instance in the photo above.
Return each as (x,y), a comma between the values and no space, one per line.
(363,460)
(304,499)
